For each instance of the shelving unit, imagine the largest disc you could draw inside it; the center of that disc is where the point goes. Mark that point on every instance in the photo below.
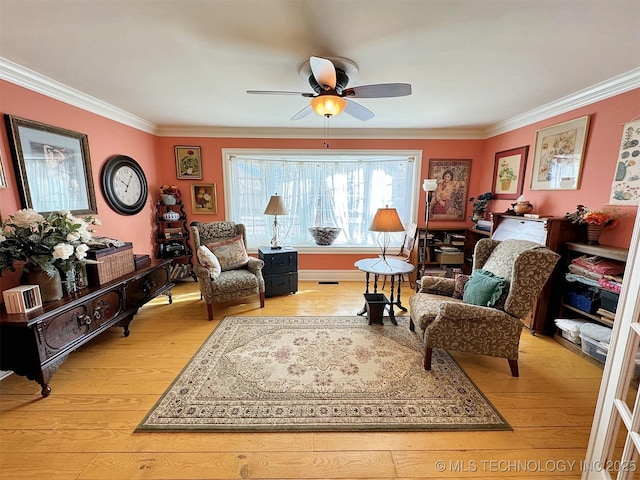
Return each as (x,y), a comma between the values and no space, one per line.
(595,314)
(442,253)
(172,239)
(472,236)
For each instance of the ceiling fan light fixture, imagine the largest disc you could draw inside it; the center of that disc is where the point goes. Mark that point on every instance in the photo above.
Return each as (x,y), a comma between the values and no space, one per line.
(328,105)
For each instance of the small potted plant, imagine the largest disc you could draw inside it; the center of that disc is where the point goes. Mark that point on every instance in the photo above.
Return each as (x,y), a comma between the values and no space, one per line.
(480,205)
(170,194)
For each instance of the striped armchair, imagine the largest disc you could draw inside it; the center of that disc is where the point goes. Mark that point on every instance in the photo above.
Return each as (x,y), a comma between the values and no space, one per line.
(450,323)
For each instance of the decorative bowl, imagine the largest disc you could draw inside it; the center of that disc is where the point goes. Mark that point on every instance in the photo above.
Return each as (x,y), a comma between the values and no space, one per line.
(171,216)
(324,235)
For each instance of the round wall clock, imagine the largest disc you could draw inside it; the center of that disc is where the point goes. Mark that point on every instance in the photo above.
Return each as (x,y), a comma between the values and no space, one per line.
(124,185)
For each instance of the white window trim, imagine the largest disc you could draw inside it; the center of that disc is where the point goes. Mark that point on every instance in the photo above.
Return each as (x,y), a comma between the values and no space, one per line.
(416,155)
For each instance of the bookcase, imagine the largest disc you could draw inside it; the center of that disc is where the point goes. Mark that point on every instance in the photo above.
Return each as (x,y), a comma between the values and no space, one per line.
(172,239)
(438,251)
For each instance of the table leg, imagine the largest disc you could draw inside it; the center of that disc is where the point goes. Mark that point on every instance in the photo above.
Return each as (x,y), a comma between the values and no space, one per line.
(398,302)
(366,290)
(392,315)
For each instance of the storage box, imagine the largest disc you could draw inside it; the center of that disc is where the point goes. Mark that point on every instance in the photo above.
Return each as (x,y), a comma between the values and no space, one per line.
(593,348)
(570,329)
(113,262)
(450,258)
(581,302)
(375,305)
(22,299)
(609,300)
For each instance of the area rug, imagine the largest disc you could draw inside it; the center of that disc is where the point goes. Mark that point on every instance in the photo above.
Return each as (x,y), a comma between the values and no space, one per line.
(319,374)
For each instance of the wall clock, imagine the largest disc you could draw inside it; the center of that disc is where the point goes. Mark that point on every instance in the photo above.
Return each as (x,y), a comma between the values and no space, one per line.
(124,185)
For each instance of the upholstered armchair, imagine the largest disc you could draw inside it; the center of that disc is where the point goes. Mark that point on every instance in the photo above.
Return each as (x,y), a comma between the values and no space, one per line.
(224,269)
(483,313)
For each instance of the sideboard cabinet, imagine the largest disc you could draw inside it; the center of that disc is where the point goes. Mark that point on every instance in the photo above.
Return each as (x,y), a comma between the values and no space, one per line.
(35,344)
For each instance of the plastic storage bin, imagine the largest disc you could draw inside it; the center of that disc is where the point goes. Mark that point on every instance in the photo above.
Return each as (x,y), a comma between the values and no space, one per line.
(593,348)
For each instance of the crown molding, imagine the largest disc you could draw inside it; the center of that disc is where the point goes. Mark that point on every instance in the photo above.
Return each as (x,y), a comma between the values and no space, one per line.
(600,91)
(318,133)
(23,77)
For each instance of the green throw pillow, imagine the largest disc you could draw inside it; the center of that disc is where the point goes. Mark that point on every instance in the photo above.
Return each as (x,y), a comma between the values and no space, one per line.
(483,288)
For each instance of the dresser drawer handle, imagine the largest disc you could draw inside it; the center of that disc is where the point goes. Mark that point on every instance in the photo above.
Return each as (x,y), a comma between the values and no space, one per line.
(84,320)
(97,315)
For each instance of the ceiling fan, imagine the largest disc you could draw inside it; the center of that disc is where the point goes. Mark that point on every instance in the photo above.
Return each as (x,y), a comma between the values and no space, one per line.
(329,80)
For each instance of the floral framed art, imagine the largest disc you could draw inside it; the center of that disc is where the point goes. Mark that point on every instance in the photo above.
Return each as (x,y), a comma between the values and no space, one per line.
(449,201)
(559,152)
(53,167)
(188,162)
(625,188)
(203,198)
(508,173)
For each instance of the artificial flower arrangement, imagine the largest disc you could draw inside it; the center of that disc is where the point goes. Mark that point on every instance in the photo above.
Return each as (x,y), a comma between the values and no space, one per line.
(57,241)
(607,218)
(480,202)
(170,190)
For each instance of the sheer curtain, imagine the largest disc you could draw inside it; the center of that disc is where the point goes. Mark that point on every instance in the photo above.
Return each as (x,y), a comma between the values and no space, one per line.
(338,190)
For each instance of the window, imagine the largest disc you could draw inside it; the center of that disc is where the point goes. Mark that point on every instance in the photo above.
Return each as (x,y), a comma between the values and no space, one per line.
(319,188)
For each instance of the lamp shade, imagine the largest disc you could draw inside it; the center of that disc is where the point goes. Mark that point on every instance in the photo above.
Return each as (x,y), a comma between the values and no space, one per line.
(429,184)
(386,220)
(328,105)
(276,206)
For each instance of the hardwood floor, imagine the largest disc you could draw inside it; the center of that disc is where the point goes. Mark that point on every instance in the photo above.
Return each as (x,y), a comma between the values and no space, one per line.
(84,430)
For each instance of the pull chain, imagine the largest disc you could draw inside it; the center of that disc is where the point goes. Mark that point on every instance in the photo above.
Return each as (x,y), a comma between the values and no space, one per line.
(326,128)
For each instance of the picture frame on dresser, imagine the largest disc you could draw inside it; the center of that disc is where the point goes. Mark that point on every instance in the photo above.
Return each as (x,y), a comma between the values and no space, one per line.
(53,167)
(508,173)
(558,155)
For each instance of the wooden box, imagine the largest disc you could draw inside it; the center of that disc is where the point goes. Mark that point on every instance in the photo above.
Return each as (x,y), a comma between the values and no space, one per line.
(113,262)
(22,299)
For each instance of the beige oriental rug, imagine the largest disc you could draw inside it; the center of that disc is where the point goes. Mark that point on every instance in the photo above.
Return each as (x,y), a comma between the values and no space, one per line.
(318,374)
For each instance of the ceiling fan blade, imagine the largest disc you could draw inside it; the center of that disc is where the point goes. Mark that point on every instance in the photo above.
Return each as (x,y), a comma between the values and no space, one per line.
(358,111)
(324,72)
(279,92)
(302,113)
(379,90)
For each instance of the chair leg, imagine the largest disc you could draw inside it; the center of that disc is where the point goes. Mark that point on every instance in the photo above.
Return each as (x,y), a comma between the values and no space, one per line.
(513,365)
(412,326)
(262,300)
(210,311)
(427,358)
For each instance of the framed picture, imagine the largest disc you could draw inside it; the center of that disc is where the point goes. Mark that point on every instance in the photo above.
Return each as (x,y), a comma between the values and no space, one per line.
(625,188)
(559,150)
(508,173)
(53,167)
(188,162)
(449,200)
(203,198)
(3,176)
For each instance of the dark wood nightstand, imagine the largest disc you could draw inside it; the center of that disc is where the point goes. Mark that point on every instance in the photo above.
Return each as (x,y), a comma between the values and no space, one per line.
(280,270)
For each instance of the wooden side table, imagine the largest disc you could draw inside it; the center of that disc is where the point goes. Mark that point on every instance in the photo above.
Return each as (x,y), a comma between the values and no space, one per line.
(384,267)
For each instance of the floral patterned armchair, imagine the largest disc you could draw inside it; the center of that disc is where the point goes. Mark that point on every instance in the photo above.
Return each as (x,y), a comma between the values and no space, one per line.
(446,321)
(224,270)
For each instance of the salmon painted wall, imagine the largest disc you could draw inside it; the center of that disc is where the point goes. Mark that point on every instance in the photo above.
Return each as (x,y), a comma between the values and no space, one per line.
(607,118)
(211,150)
(106,138)
(156,155)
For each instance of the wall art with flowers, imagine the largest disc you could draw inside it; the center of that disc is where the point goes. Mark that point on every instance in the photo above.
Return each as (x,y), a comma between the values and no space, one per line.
(625,189)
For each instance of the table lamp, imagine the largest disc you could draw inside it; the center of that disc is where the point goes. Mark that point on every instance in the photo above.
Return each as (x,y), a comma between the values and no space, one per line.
(276,207)
(386,220)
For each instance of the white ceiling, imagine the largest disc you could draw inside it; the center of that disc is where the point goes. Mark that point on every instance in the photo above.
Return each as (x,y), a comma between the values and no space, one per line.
(186,64)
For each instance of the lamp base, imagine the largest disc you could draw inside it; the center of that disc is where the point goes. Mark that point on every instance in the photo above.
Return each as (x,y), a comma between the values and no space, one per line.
(276,247)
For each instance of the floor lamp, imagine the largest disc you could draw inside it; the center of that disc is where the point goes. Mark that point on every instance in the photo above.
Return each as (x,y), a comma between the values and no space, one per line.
(276,207)
(386,220)
(429,185)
